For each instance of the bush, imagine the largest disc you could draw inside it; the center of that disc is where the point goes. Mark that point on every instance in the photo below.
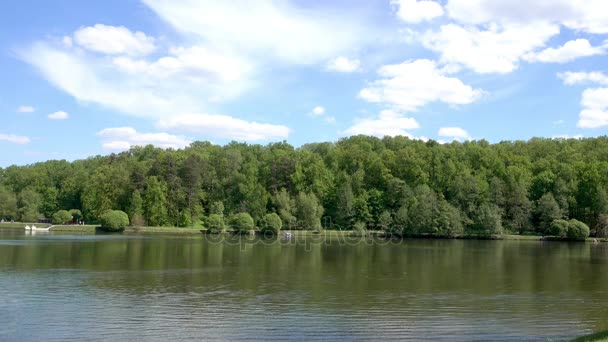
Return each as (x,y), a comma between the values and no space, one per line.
(242,223)
(558,228)
(359,229)
(577,230)
(62,216)
(215,224)
(271,223)
(114,220)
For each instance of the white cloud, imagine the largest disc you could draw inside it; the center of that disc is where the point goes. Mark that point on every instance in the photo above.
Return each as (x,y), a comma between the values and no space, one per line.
(122,138)
(497,49)
(113,40)
(456,133)
(388,123)
(595,108)
(60,115)
(16,139)
(413,84)
(416,11)
(144,89)
(567,136)
(571,78)
(343,64)
(318,111)
(582,15)
(26,109)
(570,51)
(223,126)
(196,63)
(266,29)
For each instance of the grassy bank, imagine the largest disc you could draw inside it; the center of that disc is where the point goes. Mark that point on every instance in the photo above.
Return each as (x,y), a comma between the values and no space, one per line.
(162,230)
(597,337)
(19,225)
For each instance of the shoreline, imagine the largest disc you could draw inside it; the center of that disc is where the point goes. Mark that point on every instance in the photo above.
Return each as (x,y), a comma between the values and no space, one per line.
(296,233)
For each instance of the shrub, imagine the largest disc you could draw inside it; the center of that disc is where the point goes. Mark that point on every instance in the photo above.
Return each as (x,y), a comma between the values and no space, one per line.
(577,230)
(62,216)
(271,223)
(215,224)
(114,220)
(359,229)
(242,223)
(558,228)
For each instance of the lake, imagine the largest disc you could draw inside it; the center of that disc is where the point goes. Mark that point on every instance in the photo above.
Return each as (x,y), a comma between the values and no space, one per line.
(134,287)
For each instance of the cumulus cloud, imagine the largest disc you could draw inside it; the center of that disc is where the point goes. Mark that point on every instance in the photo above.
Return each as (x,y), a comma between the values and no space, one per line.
(568,52)
(571,78)
(595,108)
(594,101)
(16,139)
(224,126)
(497,49)
(455,133)
(112,40)
(343,64)
(388,123)
(59,115)
(581,15)
(26,109)
(413,84)
(122,138)
(416,11)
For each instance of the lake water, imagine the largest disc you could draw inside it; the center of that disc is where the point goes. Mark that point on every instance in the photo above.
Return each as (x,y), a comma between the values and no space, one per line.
(133,287)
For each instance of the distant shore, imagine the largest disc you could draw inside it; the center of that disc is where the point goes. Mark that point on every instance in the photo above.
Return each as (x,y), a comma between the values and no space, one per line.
(297,233)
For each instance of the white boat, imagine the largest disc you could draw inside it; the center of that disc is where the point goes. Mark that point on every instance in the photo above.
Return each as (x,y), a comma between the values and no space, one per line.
(34,228)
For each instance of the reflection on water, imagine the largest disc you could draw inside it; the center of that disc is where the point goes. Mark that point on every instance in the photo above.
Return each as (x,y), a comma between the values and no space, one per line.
(62,287)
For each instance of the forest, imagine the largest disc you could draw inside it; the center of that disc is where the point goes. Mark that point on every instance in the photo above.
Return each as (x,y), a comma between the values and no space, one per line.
(396,184)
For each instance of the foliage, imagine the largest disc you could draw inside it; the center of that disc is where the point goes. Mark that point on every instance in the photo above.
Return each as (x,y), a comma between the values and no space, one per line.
(114,220)
(271,223)
(242,223)
(309,211)
(61,217)
(558,228)
(400,185)
(577,230)
(215,223)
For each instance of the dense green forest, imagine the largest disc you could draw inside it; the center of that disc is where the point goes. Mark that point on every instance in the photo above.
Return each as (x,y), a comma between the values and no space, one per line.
(395,183)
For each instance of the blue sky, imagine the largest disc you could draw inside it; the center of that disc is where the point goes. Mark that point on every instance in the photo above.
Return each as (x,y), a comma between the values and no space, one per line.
(82,78)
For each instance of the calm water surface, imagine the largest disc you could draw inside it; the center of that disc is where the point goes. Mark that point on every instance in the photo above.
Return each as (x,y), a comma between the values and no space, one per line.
(120,287)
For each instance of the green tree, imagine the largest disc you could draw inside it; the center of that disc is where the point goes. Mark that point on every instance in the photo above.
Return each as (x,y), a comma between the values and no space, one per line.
(28,203)
(309,211)
(61,217)
(577,230)
(8,204)
(215,223)
(271,223)
(242,223)
(547,211)
(155,208)
(558,228)
(114,220)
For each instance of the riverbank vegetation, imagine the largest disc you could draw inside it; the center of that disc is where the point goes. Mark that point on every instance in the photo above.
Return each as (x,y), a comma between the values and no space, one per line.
(401,186)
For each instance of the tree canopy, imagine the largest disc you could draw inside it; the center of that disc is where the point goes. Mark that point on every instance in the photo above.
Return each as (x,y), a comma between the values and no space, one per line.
(398,184)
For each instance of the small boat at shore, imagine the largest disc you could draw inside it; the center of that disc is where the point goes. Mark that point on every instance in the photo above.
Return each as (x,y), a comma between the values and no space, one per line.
(34,228)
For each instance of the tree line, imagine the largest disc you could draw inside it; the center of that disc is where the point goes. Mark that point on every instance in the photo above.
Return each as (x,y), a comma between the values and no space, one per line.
(396,184)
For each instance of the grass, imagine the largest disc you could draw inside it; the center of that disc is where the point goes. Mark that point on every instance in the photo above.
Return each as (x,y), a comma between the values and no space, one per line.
(597,337)
(19,225)
(162,230)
